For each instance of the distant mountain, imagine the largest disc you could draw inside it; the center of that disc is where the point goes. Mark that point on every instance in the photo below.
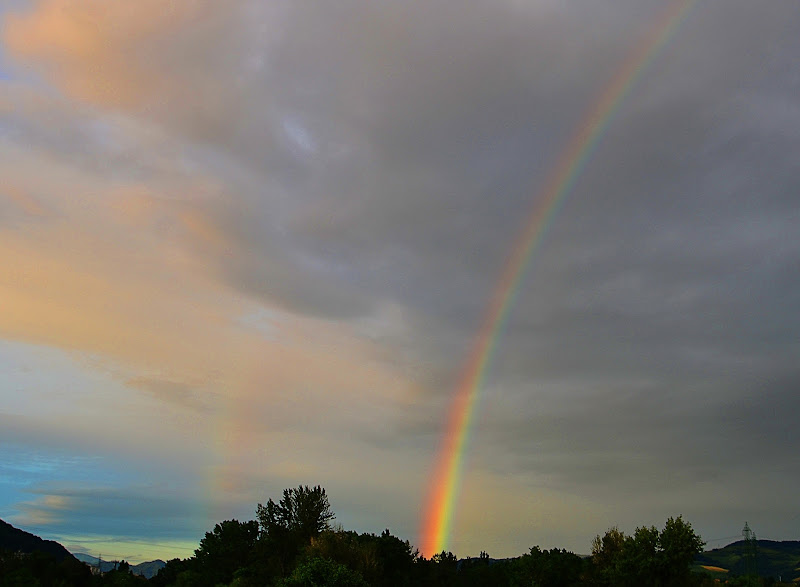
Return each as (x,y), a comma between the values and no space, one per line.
(147,570)
(17,540)
(90,560)
(773,559)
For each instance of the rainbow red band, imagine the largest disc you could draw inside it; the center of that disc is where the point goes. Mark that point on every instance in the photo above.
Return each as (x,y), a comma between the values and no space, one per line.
(446,479)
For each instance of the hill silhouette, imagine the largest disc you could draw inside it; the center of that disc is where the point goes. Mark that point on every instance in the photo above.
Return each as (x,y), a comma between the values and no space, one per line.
(16,540)
(149,569)
(774,559)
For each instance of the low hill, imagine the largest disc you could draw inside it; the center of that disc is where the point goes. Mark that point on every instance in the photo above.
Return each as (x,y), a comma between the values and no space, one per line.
(774,559)
(16,540)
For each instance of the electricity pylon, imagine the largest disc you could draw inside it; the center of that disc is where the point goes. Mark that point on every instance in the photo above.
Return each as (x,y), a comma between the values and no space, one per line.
(750,551)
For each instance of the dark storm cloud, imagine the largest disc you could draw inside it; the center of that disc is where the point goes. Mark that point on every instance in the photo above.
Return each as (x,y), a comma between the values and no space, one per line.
(424,205)
(667,286)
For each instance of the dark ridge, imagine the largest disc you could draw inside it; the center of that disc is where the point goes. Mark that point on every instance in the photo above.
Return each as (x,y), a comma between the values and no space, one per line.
(16,540)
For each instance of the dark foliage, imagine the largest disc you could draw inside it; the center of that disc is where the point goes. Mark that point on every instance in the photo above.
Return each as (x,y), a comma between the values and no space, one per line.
(169,573)
(321,572)
(41,569)
(648,557)
(225,550)
(303,512)
(292,544)
(288,526)
(121,577)
(554,567)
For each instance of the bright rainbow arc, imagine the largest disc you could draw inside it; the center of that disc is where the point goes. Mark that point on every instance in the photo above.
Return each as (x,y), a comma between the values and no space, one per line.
(445,482)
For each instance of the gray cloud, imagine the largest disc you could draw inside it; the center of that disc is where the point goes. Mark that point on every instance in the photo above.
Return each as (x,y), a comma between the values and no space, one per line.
(171,391)
(125,512)
(389,154)
(664,291)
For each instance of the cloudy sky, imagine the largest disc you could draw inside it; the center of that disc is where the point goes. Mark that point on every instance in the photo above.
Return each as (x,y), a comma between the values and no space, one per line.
(246,245)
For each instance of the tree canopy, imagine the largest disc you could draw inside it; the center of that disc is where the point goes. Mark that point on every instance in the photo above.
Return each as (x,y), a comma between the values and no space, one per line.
(302,511)
(648,557)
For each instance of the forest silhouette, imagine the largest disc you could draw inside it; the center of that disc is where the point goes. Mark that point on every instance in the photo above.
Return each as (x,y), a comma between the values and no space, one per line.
(294,543)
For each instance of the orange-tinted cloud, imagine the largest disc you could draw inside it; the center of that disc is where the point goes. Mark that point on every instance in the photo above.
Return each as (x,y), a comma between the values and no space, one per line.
(22,200)
(153,59)
(103,52)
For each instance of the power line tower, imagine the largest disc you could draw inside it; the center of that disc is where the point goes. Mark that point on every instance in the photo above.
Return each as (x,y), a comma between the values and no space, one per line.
(750,551)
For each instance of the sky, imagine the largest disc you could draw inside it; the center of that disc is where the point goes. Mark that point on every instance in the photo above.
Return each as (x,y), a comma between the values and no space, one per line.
(248,245)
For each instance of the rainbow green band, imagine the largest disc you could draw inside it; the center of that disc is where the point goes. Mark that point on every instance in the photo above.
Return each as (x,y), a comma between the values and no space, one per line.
(446,479)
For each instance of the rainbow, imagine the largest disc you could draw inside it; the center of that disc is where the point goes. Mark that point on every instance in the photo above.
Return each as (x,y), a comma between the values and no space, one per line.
(446,478)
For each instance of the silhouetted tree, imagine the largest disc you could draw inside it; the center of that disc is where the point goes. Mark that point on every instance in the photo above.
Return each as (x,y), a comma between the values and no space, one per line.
(226,549)
(383,560)
(358,553)
(439,570)
(554,567)
(288,526)
(168,574)
(397,558)
(648,557)
(607,554)
(303,511)
(444,558)
(679,545)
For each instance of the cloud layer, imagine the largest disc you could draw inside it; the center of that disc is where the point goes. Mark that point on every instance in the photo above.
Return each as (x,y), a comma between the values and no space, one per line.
(256,240)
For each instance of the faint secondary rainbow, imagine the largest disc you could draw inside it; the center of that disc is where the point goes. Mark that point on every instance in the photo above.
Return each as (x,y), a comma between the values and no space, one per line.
(446,478)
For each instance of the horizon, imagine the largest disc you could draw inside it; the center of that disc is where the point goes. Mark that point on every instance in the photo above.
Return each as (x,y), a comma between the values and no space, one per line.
(253,245)
(720,543)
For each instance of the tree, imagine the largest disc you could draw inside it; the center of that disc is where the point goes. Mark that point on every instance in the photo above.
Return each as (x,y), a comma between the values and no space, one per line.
(303,512)
(644,558)
(359,553)
(444,558)
(607,555)
(679,545)
(648,557)
(168,574)
(288,526)
(226,549)
(321,572)
(383,560)
(397,558)
(554,567)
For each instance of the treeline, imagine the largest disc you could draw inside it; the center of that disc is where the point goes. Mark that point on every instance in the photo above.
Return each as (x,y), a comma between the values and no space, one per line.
(41,569)
(292,543)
